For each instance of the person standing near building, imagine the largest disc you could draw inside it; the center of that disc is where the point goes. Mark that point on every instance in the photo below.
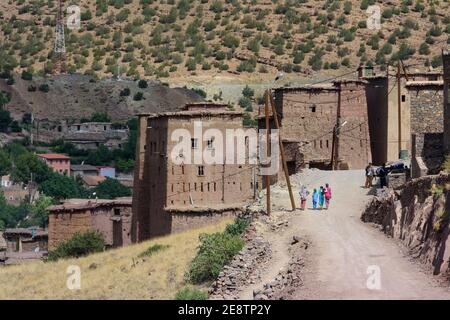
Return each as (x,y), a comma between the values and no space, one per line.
(369,176)
(327,195)
(315,199)
(382,173)
(303,197)
(321,197)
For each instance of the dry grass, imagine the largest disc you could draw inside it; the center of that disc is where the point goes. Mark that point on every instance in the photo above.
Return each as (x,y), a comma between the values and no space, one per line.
(116,276)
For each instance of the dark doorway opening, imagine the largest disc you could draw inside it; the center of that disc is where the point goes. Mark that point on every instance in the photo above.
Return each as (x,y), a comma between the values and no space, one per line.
(292,168)
(117,233)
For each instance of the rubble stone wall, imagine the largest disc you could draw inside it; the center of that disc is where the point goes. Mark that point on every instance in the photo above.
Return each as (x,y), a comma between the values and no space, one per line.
(418,216)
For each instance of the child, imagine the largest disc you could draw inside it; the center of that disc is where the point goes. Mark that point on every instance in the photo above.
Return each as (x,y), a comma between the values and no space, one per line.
(327,193)
(303,197)
(321,197)
(315,198)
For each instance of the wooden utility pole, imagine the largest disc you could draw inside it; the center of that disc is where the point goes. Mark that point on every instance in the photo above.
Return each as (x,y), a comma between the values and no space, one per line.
(399,93)
(283,159)
(268,151)
(335,143)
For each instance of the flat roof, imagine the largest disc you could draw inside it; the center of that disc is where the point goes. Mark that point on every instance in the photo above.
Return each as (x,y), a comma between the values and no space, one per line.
(195,113)
(204,208)
(73,205)
(82,167)
(53,156)
(438,83)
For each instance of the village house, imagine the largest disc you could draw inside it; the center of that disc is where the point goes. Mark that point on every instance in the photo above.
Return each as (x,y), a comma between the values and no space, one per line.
(112,218)
(313,118)
(6,181)
(24,244)
(400,133)
(91,135)
(83,170)
(59,163)
(172,196)
(92,181)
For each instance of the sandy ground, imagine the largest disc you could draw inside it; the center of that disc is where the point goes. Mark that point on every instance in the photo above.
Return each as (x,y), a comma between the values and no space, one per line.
(344,250)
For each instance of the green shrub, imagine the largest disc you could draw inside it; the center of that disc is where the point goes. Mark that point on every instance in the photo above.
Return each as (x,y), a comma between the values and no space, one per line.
(153,249)
(44,87)
(214,252)
(81,244)
(27,75)
(190,293)
(238,227)
(138,96)
(142,84)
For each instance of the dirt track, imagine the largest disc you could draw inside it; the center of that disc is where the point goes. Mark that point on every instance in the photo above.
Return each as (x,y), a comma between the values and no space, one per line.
(343,248)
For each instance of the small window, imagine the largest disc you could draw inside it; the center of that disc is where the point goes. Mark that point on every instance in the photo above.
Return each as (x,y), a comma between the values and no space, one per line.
(209,143)
(200,170)
(104,128)
(194,143)
(312,108)
(403,98)
(182,169)
(116,211)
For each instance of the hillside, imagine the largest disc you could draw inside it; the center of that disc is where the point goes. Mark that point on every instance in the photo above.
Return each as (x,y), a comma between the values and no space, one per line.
(190,38)
(71,97)
(114,274)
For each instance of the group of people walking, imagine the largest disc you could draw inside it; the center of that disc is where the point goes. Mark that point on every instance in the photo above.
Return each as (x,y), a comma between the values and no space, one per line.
(320,197)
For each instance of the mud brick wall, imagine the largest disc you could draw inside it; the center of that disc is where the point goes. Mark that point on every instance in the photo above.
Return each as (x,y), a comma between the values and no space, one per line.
(63,225)
(194,220)
(309,115)
(446,63)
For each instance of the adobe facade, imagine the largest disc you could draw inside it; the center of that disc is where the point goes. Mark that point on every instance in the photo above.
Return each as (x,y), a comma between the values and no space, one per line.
(172,192)
(112,218)
(308,117)
(446,63)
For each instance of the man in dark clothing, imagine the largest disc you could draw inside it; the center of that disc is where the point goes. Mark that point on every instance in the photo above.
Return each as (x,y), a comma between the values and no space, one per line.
(382,173)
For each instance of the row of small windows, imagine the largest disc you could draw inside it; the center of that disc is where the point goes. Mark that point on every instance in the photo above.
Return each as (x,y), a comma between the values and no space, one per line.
(202,186)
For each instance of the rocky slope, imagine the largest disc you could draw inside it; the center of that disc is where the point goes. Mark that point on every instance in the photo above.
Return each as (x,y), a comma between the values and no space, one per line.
(189,38)
(75,96)
(417,215)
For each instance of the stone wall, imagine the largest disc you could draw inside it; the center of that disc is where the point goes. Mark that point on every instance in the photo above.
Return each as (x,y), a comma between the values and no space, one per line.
(427,126)
(417,215)
(183,221)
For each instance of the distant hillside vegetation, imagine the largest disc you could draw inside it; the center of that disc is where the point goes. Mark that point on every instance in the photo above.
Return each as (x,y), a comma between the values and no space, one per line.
(165,38)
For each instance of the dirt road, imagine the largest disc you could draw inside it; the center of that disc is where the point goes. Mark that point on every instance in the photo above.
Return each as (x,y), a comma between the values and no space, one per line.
(345,254)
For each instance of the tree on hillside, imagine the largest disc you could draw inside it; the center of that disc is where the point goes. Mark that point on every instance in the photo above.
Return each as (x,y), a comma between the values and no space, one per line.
(62,187)
(100,117)
(5,98)
(38,214)
(5,120)
(5,163)
(27,166)
(110,189)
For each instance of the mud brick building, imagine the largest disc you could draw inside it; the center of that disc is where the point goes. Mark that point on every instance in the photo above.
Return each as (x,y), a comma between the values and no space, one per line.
(31,239)
(308,116)
(175,194)
(421,115)
(112,218)
(446,61)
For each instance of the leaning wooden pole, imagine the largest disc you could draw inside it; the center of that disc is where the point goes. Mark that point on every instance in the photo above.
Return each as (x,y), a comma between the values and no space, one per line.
(283,158)
(266,111)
